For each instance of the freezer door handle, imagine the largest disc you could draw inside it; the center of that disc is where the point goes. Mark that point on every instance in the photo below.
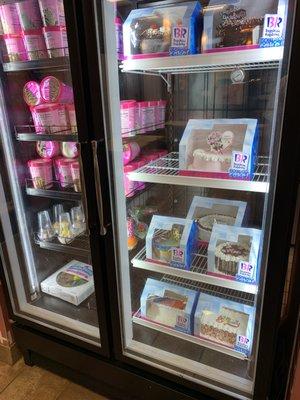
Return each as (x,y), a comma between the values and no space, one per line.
(97,178)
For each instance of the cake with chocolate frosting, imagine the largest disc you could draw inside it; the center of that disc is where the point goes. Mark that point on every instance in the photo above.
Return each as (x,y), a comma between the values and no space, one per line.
(228,255)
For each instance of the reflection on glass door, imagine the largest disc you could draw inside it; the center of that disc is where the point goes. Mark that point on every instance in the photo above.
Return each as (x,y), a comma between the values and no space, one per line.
(192,126)
(50,269)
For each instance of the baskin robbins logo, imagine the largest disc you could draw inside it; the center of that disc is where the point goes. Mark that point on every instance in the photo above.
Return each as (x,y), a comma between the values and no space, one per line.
(181,321)
(239,161)
(243,342)
(180,36)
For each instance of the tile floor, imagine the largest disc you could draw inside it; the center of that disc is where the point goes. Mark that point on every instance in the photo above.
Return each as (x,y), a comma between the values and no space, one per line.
(20,382)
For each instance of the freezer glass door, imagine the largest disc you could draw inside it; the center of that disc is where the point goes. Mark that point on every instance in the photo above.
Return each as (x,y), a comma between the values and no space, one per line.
(47,255)
(194,90)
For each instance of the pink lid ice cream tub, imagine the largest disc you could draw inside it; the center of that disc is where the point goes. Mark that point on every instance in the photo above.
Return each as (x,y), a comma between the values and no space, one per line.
(72,117)
(47,149)
(56,169)
(129,185)
(15,47)
(29,14)
(52,12)
(32,94)
(69,149)
(146,116)
(50,118)
(54,91)
(128,115)
(35,44)
(56,41)
(10,19)
(160,115)
(130,152)
(75,172)
(64,171)
(41,173)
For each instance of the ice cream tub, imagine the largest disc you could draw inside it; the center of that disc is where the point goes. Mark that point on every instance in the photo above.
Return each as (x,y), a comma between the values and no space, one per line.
(47,149)
(32,94)
(10,19)
(69,149)
(56,41)
(75,172)
(160,114)
(50,118)
(52,12)
(35,44)
(128,115)
(41,173)
(64,171)
(29,14)
(72,117)
(130,152)
(129,185)
(15,47)
(54,91)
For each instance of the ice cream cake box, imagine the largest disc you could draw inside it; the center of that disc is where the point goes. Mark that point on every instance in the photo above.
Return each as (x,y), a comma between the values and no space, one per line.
(225,322)
(171,241)
(73,282)
(233,253)
(207,211)
(219,148)
(161,31)
(235,25)
(169,305)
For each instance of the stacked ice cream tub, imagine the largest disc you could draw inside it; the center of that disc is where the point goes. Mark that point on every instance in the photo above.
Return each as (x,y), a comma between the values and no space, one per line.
(33,30)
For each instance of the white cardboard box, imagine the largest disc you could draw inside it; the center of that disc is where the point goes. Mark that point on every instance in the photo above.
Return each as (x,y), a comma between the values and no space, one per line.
(73,282)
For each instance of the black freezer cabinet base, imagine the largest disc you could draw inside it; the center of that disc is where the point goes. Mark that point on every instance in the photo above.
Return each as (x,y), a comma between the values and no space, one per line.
(109,378)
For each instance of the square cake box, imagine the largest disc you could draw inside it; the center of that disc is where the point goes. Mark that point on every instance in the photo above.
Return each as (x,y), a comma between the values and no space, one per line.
(233,26)
(171,241)
(162,31)
(219,148)
(169,305)
(233,253)
(207,211)
(225,322)
(74,282)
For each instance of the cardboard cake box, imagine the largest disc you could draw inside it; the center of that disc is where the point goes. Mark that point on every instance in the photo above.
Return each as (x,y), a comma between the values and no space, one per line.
(225,322)
(219,148)
(162,31)
(73,282)
(171,241)
(233,253)
(169,305)
(236,25)
(209,211)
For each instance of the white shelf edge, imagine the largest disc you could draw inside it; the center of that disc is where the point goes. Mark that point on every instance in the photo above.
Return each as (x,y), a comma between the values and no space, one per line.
(194,276)
(189,338)
(228,184)
(217,60)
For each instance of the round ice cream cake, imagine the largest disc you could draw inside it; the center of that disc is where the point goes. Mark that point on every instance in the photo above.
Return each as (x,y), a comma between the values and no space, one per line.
(207,222)
(228,255)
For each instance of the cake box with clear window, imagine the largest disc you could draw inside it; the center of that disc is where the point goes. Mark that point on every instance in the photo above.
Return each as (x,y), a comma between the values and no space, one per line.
(169,305)
(219,148)
(171,241)
(233,253)
(207,211)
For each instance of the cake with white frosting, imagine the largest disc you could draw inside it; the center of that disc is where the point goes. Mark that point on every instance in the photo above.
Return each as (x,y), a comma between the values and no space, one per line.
(223,327)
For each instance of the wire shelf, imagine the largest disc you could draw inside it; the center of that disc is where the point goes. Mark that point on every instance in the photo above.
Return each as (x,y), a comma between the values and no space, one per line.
(166,170)
(78,246)
(27,133)
(260,58)
(187,337)
(40,59)
(197,273)
(54,191)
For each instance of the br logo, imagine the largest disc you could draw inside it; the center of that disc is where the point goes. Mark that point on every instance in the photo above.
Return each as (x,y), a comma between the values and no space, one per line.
(240,158)
(274,21)
(180,32)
